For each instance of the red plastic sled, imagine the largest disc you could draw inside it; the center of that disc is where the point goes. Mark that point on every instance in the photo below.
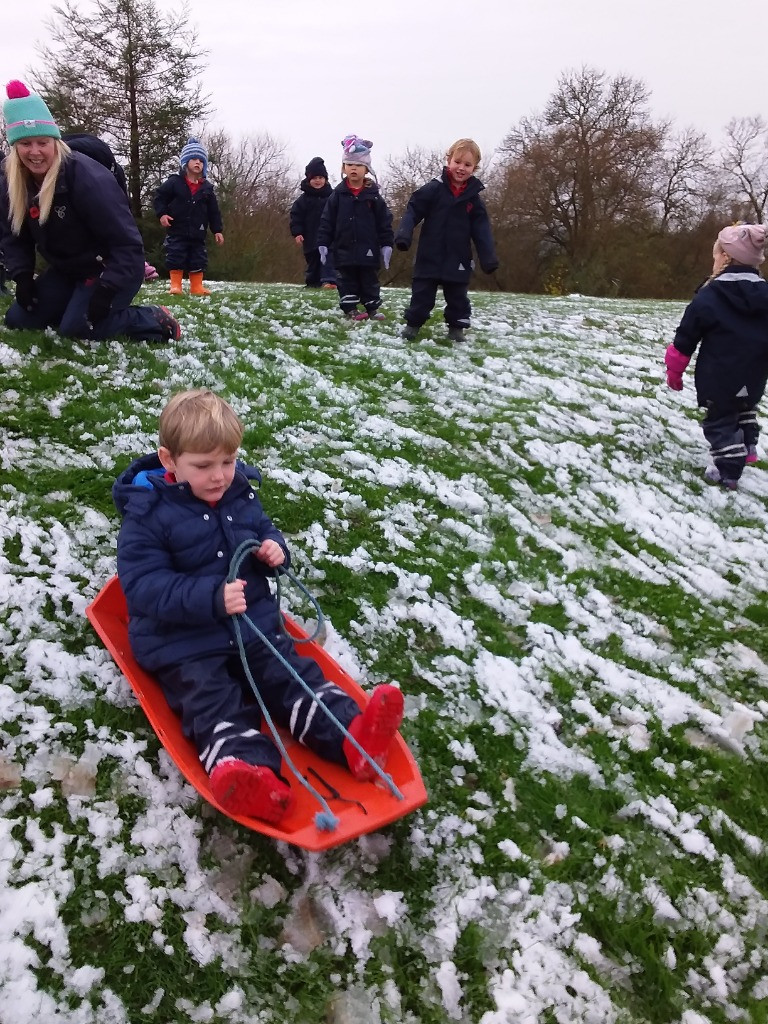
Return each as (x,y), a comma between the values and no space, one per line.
(360,806)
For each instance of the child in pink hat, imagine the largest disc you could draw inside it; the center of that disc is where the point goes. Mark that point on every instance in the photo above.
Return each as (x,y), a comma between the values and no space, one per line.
(729,318)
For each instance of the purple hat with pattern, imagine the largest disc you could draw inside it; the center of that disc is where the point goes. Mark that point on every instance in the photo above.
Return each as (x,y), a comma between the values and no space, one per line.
(357,151)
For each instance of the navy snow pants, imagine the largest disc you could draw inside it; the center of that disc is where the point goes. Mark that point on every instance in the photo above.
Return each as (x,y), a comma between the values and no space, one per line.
(423,296)
(63,304)
(221,716)
(359,285)
(318,273)
(729,428)
(189,254)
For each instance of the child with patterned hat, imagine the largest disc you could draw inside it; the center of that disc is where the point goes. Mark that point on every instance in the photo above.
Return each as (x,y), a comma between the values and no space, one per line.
(306,212)
(187,207)
(357,227)
(70,210)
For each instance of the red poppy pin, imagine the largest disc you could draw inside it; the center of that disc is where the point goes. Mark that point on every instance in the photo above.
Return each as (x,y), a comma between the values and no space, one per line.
(34,212)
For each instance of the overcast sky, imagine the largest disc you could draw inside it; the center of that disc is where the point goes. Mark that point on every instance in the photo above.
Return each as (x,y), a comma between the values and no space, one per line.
(406,73)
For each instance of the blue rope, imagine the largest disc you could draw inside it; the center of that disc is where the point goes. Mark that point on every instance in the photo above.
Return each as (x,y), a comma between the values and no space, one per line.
(325,820)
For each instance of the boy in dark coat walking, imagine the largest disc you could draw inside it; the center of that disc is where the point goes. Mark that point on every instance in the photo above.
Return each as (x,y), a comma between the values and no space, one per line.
(186,205)
(305,220)
(186,510)
(729,316)
(357,225)
(454,217)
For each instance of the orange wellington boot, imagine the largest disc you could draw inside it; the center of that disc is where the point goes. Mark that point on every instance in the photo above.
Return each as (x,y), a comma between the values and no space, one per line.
(196,283)
(177,276)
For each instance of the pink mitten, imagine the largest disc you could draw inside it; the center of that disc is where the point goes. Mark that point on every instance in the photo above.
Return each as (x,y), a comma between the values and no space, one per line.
(676,364)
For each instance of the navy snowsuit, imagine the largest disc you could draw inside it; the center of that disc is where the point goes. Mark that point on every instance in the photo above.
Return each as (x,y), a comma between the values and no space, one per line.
(356,227)
(193,214)
(451,223)
(306,212)
(173,555)
(89,238)
(729,317)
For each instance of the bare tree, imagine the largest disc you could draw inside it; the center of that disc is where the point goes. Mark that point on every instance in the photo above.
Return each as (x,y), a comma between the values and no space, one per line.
(583,169)
(686,180)
(745,161)
(254,182)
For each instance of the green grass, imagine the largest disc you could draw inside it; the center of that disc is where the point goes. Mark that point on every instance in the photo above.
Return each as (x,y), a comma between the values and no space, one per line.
(514,530)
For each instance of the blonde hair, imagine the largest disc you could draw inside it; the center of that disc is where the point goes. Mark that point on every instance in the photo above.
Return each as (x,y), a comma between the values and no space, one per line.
(199,421)
(464,146)
(718,250)
(19,180)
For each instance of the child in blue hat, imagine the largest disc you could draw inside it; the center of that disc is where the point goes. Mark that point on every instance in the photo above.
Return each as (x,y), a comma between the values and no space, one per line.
(187,207)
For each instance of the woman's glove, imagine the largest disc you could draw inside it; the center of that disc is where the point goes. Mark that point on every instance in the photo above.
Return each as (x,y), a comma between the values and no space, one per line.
(26,293)
(386,255)
(100,303)
(676,364)
(323,250)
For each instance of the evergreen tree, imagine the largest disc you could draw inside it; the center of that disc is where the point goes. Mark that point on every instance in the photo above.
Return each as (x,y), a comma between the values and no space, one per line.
(128,73)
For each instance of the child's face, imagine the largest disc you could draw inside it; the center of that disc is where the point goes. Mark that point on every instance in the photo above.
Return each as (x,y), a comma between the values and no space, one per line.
(461,166)
(209,474)
(194,167)
(355,174)
(317,182)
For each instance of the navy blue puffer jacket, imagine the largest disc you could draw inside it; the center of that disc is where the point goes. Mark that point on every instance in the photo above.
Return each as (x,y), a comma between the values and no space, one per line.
(355,227)
(193,213)
(306,212)
(173,555)
(729,317)
(451,224)
(90,230)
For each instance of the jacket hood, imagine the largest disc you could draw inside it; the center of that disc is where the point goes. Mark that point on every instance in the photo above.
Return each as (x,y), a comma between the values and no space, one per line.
(320,193)
(369,187)
(144,479)
(473,186)
(743,289)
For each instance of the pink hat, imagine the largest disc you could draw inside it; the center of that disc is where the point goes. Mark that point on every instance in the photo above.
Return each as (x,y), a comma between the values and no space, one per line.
(744,243)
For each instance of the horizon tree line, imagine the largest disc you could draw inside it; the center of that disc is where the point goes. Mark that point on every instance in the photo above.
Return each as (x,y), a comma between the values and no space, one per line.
(592,194)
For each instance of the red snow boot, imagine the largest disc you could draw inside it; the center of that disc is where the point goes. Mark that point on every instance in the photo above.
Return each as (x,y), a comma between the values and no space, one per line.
(374,730)
(250,789)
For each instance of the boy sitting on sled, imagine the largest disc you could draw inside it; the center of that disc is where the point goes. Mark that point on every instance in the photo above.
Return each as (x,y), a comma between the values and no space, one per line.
(185,510)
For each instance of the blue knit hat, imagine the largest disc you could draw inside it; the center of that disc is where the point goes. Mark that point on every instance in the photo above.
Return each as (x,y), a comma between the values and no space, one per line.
(26,115)
(194,150)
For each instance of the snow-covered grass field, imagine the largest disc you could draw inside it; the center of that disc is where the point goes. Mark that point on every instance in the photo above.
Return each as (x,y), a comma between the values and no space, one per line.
(517,532)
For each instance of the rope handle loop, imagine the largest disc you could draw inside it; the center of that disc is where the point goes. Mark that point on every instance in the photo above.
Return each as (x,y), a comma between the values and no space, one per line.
(325,820)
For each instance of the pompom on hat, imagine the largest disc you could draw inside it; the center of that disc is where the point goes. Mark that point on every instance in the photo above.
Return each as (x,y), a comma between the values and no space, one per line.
(357,151)
(26,115)
(316,168)
(744,243)
(194,150)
